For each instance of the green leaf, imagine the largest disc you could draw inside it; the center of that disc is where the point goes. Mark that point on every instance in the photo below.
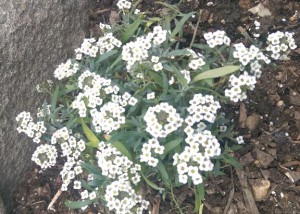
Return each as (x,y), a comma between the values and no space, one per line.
(106,55)
(152,21)
(179,25)
(77,204)
(151,184)
(121,148)
(199,197)
(217,72)
(130,30)
(232,161)
(89,134)
(54,101)
(122,135)
(182,52)
(156,77)
(170,146)
(163,173)
(173,69)
(91,168)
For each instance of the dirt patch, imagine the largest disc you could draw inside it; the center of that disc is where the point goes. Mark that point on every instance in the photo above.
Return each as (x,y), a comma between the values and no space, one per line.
(269,122)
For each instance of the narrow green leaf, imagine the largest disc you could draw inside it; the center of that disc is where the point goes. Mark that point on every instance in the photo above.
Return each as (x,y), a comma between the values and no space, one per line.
(121,148)
(156,77)
(152,21)
(232,161)
(173,69)
(54,98)
(151,184)
(91,168)
(77,204)
(163,173)
(123,135)
(179,25)
(170,146)
(89,134)
(199,197)
(130,30)
(217,72)
(182,52)
(106,55)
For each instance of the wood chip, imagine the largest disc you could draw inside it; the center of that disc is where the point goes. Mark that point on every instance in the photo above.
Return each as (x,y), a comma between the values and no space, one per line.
(248,197)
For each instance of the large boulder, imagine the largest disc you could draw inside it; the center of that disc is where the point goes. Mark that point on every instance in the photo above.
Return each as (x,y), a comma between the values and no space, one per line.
(35,37)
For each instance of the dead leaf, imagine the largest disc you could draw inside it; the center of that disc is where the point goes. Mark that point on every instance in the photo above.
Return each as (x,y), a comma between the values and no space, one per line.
(260,10)
(293,176)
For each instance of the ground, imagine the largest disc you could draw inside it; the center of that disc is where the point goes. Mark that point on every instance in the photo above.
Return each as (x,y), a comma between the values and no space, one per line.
(269,120)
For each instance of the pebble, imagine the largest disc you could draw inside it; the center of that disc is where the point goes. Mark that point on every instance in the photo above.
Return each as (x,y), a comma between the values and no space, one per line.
(252,122)
(260,188)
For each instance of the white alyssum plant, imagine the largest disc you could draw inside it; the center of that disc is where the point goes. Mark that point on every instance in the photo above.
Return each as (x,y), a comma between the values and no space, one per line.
(138,107)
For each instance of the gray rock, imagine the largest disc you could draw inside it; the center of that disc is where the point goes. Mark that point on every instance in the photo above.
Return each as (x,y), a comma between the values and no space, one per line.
(2,207)
(35,37)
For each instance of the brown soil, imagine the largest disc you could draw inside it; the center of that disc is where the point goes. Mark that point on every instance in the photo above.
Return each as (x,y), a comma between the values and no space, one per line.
(269,120)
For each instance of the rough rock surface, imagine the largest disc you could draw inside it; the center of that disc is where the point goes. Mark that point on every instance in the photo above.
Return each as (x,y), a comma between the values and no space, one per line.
(2,207)
(35,37)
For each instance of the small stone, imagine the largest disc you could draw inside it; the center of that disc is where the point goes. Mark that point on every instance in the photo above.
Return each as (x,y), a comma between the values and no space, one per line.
(265,159)
(266,174)
(297,115)
(246,159)
(280,103)
(260,188)
(252,122)
(223,21)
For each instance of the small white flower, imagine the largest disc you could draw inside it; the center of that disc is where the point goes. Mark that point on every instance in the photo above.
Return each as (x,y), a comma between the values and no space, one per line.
(240,140)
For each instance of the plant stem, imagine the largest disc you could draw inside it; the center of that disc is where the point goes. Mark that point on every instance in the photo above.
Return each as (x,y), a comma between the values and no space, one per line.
(196,29)
(175,200)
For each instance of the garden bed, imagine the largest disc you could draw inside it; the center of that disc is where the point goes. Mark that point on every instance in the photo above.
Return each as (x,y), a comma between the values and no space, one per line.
(269,120)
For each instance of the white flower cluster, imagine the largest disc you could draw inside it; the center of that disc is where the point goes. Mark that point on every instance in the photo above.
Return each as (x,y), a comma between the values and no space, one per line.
(246,55)
(65,70)
(124,4)
(279,44)
(152,146)
(121,198)
(115,165)
(202,108)
(72,149)
(45,156)
(99,92)
(31,129)
(162,120)
(197,60)
(90,47)
(239,85)
(109,118)
(137,51)
(196,156)
(216,38)
(107,43)
(60,136)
